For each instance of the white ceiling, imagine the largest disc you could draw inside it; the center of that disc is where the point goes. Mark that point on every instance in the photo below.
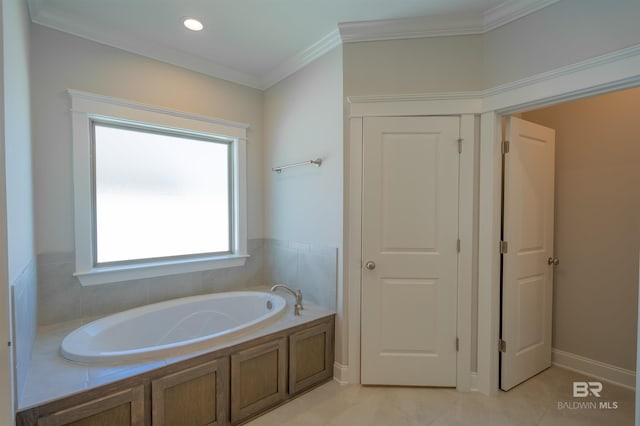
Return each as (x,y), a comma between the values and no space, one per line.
(259,42)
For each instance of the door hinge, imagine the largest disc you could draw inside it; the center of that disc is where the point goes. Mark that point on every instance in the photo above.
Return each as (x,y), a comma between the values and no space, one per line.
(460,146)
(502,345)
(505,147)
(458,245)
(457,344)
(504,247)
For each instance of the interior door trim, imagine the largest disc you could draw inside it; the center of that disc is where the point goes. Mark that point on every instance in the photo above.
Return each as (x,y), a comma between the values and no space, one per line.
(465,380)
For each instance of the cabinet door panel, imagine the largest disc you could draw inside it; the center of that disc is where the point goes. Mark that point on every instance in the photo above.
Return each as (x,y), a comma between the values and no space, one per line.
(125,408)
(310,357)
(258,379)
(193,397)
(120,415)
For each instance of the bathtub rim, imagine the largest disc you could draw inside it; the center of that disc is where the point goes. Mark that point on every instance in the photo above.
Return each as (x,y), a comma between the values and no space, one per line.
(83,356)
(122,377)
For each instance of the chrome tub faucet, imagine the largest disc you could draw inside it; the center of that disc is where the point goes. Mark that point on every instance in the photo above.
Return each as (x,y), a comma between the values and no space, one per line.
(298,295)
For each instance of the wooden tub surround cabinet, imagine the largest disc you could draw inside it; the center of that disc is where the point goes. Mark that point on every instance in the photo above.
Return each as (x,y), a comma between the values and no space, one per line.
(227,386)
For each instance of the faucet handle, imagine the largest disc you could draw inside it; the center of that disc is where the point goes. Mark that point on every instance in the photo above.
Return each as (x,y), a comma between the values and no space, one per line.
(299,299)
(296,293)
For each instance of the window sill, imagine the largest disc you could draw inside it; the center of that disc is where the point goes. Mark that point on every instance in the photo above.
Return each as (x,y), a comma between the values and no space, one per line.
(113,274)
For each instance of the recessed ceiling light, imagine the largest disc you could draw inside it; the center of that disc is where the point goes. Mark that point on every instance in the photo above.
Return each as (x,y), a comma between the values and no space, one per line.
(193,24)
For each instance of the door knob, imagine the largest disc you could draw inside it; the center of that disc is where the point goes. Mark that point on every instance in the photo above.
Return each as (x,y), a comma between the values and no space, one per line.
(553,261)
(370,265)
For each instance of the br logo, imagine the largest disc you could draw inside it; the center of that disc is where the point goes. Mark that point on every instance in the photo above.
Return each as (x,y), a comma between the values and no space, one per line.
(585,389)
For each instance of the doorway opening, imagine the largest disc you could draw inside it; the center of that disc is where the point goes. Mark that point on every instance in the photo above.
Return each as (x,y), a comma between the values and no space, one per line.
(596,233)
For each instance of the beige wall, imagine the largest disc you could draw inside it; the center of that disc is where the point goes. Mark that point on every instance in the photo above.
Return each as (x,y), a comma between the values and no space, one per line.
(297,113)
(564,33)
(421,65)
(60,61)
(17,201)
(303,120)
(6,363)
(597,226)
(18,140)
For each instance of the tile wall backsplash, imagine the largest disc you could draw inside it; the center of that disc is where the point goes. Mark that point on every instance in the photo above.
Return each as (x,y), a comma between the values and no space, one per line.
(24,302)
(310,268)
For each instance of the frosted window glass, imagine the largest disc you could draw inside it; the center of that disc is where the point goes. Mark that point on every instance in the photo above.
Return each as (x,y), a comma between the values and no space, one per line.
(159,195)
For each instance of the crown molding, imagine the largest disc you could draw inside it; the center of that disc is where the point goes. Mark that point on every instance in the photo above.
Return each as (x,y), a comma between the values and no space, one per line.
(107,36)
(439,26)
(510,10)
(302,58)
(390,29)
(415,27)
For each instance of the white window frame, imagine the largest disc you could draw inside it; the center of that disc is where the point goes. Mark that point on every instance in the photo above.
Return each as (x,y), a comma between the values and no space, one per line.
(86,107)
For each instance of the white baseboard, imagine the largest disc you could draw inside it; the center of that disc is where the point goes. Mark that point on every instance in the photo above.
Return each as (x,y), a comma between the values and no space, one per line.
(341,373)
(599,370)
(474,382)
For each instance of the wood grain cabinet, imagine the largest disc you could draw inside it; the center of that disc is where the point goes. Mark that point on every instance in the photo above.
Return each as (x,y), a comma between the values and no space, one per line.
(222,387)
(124,408)
(258,379)
(310,357)
(197,396)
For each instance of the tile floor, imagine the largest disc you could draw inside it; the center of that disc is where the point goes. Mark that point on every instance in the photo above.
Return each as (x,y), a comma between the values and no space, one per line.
(535,402)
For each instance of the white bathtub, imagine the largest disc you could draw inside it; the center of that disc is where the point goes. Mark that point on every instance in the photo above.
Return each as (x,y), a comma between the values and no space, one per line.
(159,329)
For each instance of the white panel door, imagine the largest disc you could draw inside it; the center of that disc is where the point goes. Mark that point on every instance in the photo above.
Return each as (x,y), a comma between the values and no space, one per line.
(409,245)
(527,274)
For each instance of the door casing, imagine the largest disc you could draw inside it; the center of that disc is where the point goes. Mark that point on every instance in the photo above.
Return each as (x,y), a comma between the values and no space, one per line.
(611,72)
(468,127)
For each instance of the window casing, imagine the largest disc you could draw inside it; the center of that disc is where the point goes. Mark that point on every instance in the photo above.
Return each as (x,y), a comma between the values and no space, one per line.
(101,164)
